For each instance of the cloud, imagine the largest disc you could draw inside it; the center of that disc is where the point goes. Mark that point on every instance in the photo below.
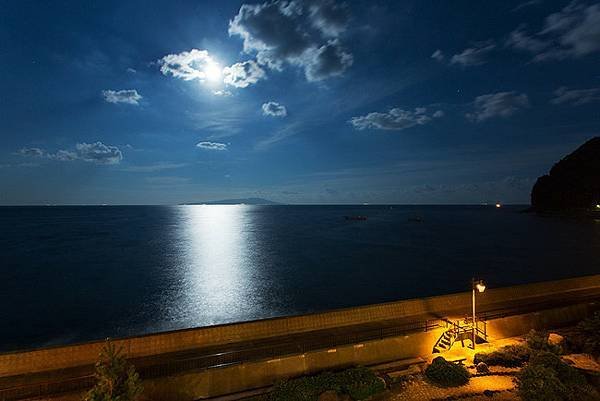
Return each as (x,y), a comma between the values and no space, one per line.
(303,34)
(63,156)
(212,145)
(520,40)
(575,97)
(501,104)
(31,152)
(274,109)
(243,74)
(329,60)
(129,96)
(526,4)
(188,65)
(97,153)
(573,32)
(150,168)
(394,120)
(438,55)
(473,56)
(222,93)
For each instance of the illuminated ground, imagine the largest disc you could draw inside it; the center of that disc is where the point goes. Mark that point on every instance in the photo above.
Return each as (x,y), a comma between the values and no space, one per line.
(501,383)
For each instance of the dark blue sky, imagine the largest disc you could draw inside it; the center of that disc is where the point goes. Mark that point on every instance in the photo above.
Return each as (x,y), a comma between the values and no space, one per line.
(136,102)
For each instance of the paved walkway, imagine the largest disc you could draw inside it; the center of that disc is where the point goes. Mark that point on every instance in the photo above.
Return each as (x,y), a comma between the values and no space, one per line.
(422,390)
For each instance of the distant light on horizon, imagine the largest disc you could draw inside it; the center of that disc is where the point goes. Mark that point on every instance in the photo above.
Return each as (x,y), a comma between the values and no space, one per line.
(498,205)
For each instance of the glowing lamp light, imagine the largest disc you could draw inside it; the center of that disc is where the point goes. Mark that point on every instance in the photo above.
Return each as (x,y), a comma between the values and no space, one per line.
(597,206)
(480,286)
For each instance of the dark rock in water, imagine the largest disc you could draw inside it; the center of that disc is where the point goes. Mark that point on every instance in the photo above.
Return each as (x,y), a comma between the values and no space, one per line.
(573,183)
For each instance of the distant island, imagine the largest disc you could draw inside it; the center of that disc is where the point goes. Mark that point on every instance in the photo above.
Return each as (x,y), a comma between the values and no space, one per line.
(573,184)
(242,201)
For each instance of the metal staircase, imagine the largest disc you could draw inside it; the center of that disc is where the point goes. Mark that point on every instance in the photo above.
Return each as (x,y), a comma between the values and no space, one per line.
(460,331)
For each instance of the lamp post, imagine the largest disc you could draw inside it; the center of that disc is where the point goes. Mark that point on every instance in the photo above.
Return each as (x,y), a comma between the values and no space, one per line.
(480,287)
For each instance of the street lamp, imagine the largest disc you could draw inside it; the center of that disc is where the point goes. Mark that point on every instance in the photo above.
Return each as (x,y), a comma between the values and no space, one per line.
(477,286)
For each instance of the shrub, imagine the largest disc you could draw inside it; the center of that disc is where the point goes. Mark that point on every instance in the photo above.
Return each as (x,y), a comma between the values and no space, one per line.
(510,356)
(538,383)
(588,333)
(447,374)
(359,383)
(574,382)
(568,375)
(116,380)
(538,341)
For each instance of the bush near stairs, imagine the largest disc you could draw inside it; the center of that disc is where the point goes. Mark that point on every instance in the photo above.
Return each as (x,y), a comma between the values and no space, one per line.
(447,374)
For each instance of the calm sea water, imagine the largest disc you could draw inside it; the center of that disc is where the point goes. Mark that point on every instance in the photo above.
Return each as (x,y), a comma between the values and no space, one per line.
(73,274)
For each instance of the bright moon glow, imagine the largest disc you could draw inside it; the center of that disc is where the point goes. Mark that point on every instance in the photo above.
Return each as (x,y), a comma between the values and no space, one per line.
(213,72)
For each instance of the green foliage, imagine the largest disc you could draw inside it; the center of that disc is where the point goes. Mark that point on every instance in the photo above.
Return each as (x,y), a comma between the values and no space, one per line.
(588,333)
(447,374)
(510,356)
(547,377)
(359,383)
(568,375)
(537,383)
(538,341)
(116,380)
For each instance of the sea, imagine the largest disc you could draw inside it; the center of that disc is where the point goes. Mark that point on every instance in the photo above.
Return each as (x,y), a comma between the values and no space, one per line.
(71,274)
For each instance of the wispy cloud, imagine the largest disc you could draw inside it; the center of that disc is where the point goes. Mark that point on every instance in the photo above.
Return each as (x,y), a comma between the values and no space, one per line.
(473,56)
(286,132)
(151,168)
(395,119)
(501,104)
(128,96)
(575,97)
(97,153)
(526,4)
(469,57)
(212,145)
(572,32)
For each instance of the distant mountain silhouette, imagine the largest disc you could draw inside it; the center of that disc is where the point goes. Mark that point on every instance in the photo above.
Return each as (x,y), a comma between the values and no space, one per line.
(573,183)
(245,201)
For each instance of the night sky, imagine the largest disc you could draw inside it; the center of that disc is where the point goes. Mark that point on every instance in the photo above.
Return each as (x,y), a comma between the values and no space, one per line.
(137,102)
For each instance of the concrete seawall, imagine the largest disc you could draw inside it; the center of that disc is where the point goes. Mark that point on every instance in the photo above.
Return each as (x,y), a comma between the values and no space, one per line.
(84,354)
(195,384)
